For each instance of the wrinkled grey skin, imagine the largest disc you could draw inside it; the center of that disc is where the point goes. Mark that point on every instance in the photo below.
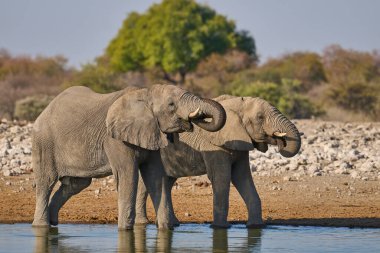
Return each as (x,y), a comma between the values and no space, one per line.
(223,155)
(83,135)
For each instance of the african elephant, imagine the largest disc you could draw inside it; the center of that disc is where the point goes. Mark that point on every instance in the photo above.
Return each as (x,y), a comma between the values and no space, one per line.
(252,123)
(83,135)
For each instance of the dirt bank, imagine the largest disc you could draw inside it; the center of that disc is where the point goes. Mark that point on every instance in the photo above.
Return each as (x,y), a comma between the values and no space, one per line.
(325,200)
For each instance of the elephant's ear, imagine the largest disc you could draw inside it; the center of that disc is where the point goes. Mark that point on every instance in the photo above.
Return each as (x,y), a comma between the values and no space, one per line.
(233,135)
(129,119)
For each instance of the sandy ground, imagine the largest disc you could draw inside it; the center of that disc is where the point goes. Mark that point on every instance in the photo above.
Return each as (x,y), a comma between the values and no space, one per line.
(326,201)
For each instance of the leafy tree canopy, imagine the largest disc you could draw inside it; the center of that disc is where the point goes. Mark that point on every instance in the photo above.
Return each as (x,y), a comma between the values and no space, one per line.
(174,36)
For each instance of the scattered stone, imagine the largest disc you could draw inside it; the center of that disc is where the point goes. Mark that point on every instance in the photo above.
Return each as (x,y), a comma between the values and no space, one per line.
(330,148)
(276,188)
(98,191)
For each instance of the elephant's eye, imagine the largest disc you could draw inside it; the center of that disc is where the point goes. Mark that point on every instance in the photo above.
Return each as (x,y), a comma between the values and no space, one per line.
(260,117)
(171,106)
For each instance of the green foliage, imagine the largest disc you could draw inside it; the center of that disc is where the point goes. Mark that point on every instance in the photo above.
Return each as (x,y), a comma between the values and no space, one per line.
(285,96)
(304,67)
(357,97)
(95,76)
(174,36)
(30,107)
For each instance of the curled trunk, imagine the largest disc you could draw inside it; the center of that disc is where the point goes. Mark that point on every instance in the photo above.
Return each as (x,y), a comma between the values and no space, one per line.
(211,116)
(290,144)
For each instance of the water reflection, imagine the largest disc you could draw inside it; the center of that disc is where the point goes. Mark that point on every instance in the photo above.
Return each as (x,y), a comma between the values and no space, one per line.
(249,244)
(46,239)
(143,239)
(136,240)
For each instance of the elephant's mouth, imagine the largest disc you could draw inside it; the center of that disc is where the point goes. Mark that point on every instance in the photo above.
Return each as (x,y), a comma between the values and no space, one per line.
(183,126)
(262,144)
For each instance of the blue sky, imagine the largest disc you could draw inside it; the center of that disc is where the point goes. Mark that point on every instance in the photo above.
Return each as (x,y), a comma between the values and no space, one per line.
(81,29)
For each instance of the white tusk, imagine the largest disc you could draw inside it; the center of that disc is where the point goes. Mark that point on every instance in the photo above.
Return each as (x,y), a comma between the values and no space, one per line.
(194,114)
(279,134)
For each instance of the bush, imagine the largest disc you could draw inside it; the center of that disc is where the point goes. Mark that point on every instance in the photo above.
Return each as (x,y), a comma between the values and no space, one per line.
(23,76)
(284,96)
(302,66)
(30,107)
(357,96)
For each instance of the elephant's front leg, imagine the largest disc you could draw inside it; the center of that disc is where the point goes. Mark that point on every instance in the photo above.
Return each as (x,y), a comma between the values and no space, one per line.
(219,172)
(242,180)
(157,184)
(124,167)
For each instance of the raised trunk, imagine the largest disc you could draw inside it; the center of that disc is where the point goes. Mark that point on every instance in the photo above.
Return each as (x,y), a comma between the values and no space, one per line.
(212,115)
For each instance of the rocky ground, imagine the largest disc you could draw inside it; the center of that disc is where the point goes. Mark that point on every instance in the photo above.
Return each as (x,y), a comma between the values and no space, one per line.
(335,180)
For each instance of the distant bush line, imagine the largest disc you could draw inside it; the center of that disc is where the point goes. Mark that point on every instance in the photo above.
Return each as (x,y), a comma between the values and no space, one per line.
(339,84)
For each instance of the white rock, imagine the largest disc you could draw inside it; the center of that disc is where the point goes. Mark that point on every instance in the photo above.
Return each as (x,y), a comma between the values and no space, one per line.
(27,151)
(354,174)
(7,172)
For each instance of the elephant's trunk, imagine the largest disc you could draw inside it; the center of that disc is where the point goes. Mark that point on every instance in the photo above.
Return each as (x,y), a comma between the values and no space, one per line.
(203,112)
(288,138)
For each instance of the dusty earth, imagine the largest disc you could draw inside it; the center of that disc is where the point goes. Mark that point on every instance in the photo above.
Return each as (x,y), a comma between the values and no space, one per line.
(333,181)
(327,201)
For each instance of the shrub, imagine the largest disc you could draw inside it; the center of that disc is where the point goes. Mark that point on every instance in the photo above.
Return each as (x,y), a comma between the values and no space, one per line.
(30,107)
(305,67)
(357,96)
(284,96)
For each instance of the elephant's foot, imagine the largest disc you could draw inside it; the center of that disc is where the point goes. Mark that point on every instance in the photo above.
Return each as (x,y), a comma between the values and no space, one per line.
(53,219)
(164,225)
(256,222)
(140,220)
(223,225)
(255,225)
(54,222)
(175,221)
(40,223)
(125,227)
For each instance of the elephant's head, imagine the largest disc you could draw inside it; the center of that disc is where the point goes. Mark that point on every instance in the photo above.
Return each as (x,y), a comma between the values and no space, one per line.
(142,117)
(255,123)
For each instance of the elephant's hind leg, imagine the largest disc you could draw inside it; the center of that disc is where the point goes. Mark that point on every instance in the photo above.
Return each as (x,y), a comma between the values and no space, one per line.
(142,196)
(45,177)
(69,187)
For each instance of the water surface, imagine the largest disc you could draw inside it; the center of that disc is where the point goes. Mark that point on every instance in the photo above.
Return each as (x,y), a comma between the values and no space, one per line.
(186,238)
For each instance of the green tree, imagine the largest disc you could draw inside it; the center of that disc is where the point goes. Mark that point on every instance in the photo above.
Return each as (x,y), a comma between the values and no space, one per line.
(174,36)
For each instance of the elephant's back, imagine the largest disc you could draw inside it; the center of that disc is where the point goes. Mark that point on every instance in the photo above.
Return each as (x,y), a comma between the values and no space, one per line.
(73,125)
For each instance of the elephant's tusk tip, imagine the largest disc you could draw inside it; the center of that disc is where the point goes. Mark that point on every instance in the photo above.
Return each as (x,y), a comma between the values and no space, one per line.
(279,134)
(195,114)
